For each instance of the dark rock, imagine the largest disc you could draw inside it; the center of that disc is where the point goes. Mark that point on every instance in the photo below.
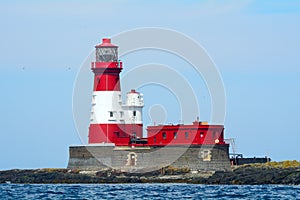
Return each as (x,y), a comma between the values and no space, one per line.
(242,175)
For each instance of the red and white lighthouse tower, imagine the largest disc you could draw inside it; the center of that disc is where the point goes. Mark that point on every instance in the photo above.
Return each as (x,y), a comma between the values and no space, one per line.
(111,121)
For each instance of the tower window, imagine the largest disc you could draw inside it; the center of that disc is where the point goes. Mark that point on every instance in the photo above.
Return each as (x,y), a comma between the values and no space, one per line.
(111,114)
(134,113)
(98,83)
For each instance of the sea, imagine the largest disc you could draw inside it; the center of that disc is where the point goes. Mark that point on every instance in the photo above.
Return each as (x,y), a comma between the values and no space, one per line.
(147,191)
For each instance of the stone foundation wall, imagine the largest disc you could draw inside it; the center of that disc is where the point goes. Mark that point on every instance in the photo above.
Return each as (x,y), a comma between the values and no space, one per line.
(204,158)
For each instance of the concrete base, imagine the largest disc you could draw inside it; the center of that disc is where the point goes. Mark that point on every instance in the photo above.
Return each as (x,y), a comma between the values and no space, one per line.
(202,158)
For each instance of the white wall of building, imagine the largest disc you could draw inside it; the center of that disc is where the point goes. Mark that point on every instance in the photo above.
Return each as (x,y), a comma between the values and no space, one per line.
(107,108)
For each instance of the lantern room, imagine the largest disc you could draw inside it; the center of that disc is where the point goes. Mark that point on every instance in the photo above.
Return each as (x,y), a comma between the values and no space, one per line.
(106,52)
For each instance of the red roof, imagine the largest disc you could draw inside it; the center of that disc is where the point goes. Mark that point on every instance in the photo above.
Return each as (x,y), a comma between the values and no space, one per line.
(106,42)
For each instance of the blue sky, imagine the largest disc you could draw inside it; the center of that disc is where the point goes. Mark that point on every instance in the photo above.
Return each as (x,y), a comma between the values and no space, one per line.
(255,45)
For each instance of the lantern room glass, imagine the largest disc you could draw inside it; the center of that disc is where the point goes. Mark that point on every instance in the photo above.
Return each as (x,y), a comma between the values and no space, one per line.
(107,54)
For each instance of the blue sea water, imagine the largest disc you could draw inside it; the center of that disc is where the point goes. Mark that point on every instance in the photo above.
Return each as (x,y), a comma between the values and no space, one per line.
(147,191)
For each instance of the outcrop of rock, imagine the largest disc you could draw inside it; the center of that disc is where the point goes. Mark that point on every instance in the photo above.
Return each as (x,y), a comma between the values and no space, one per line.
(287,172)
(256,175)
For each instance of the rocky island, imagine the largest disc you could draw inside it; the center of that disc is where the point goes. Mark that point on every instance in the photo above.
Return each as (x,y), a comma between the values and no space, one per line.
(285,172)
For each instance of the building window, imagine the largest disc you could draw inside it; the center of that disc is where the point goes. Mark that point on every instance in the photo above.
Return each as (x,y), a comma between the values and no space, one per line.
(164,135)
(186,135)
(214,134)
(134,134)
(175,135)
(121,114)
(111,114)
(201,134)
(117,134)
(134,113)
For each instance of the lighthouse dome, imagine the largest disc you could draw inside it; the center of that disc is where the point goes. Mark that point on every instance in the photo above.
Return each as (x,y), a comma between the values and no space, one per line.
(134,98)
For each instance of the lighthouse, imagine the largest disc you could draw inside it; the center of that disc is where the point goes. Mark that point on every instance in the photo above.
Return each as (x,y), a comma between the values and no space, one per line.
(116,130)
(113,122)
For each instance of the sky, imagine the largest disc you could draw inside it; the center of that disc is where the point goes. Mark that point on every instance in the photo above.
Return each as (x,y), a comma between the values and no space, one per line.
(254,44)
